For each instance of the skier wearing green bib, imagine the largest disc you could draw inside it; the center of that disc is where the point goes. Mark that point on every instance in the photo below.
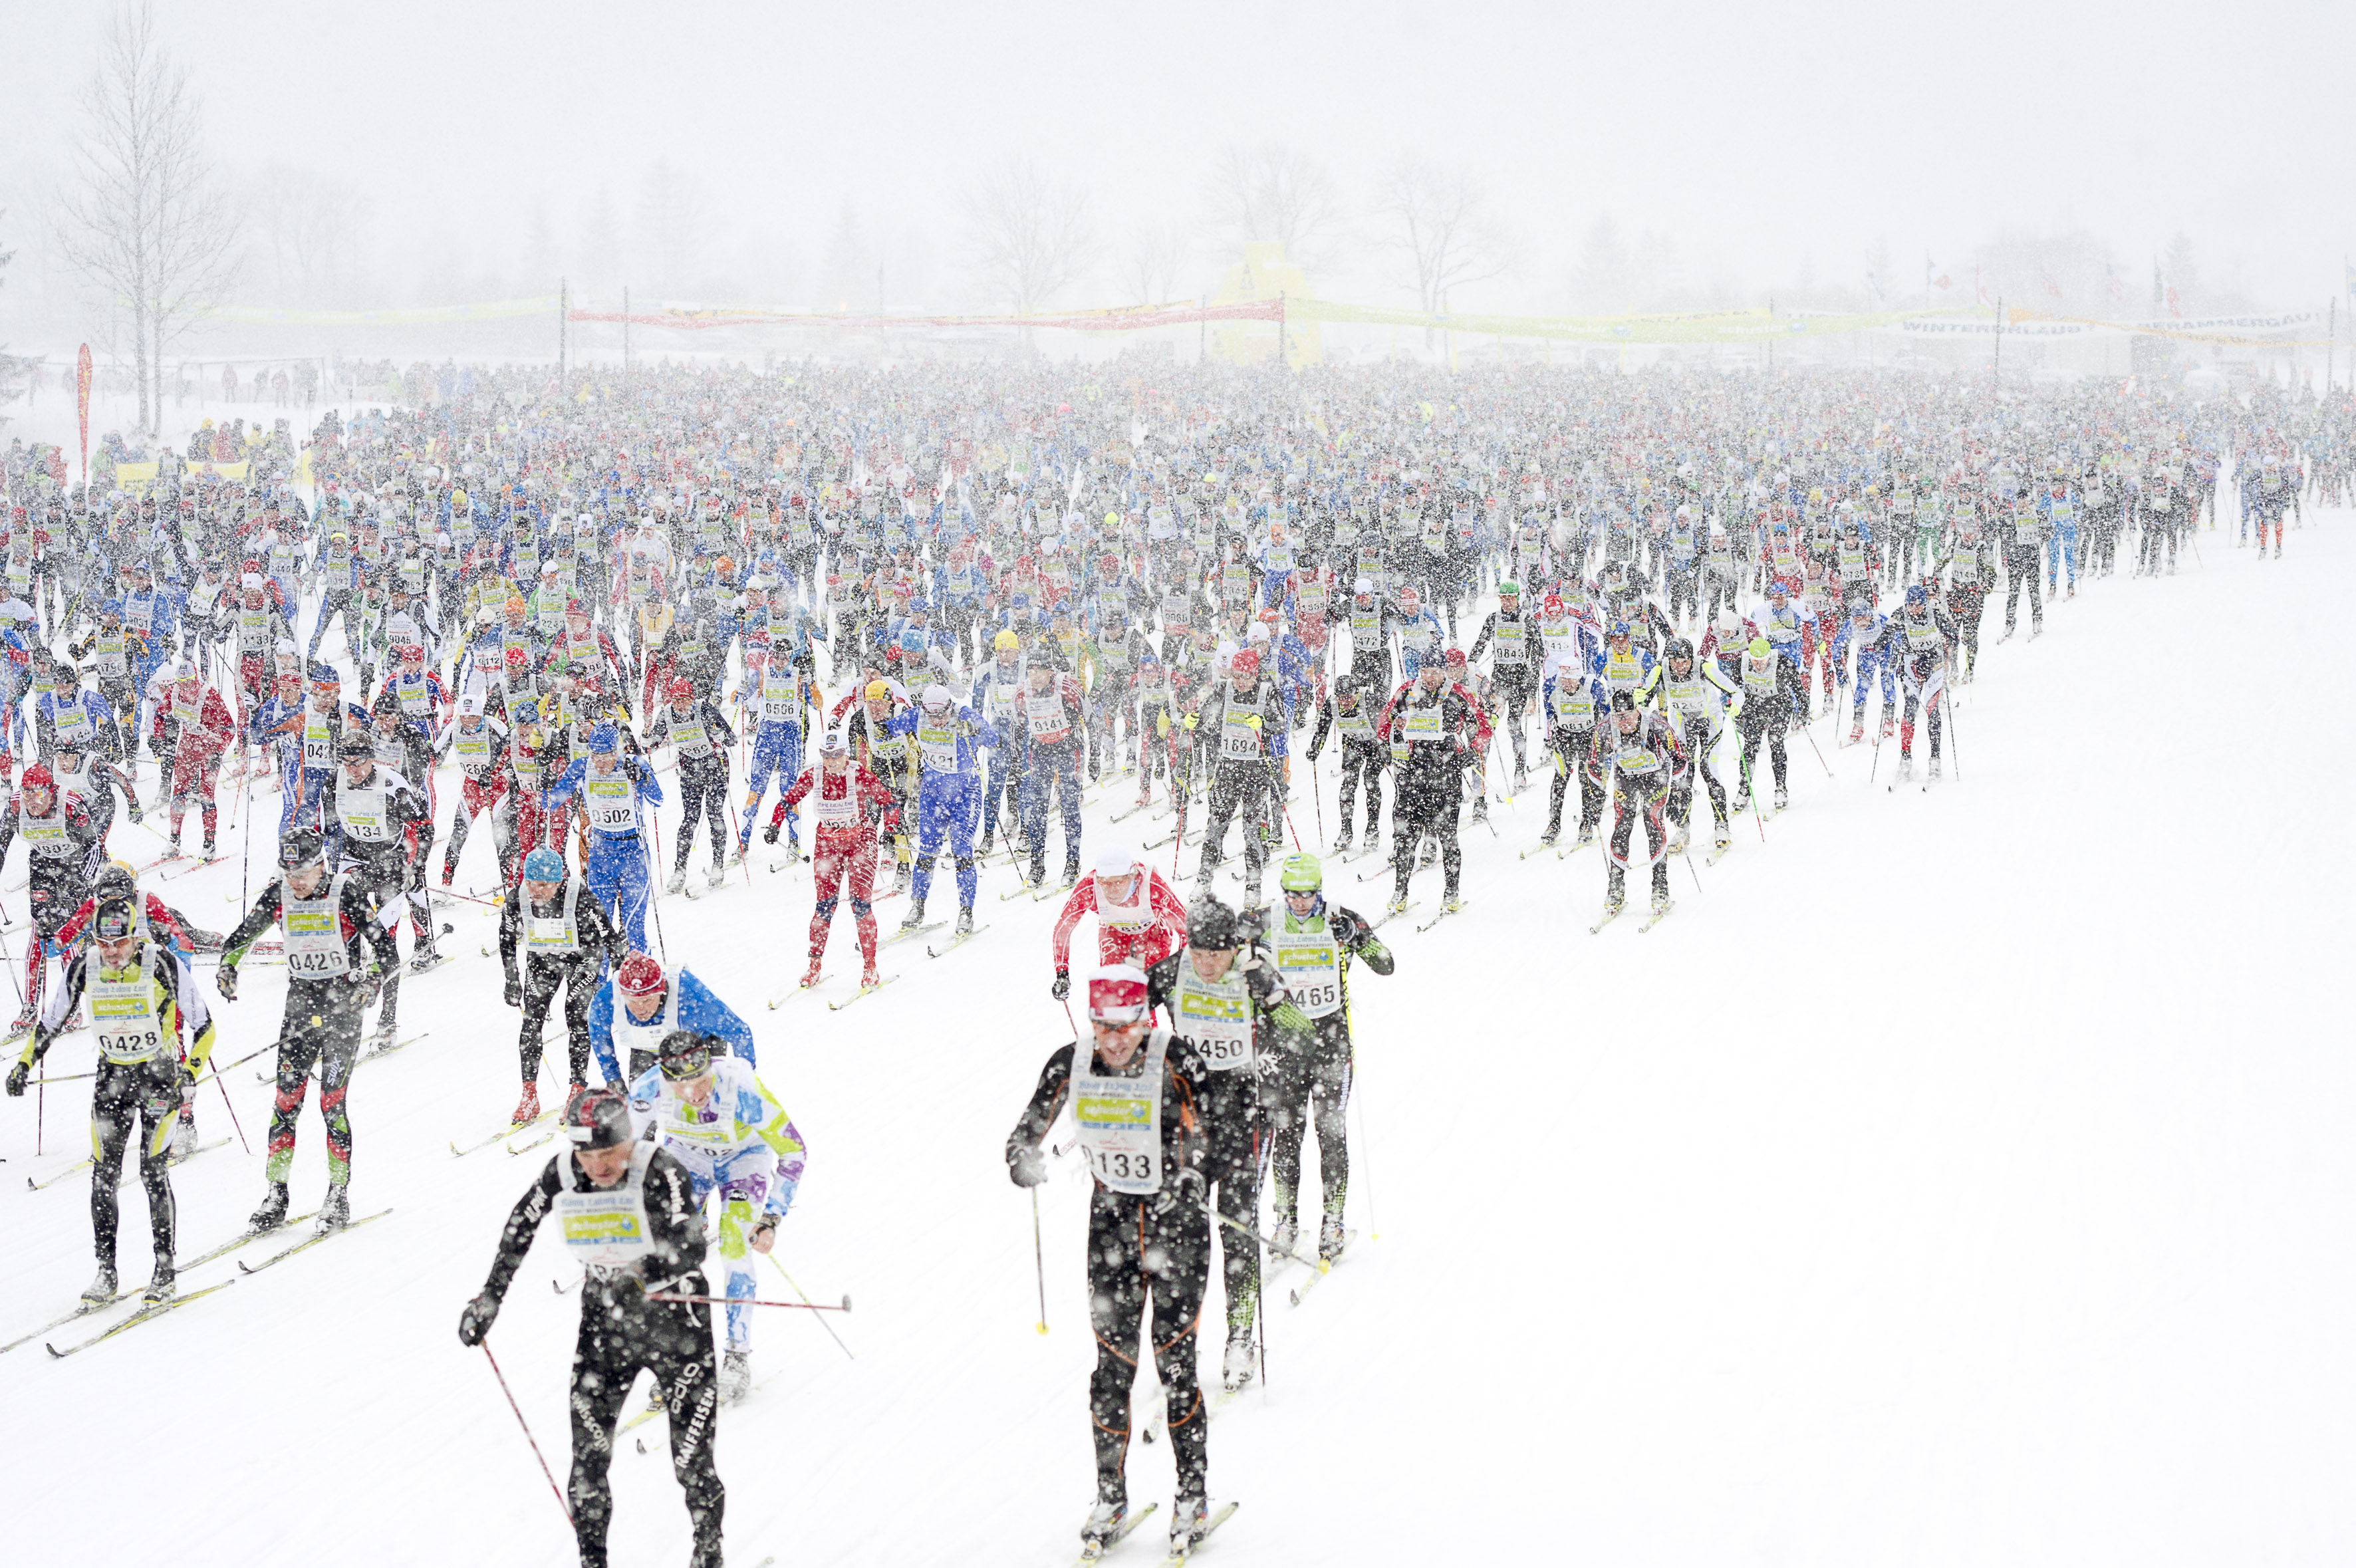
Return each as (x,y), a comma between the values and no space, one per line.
(1314,942)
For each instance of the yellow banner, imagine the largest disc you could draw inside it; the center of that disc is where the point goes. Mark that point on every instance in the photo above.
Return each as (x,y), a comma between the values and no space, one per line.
(424,315)
(139,476)
(1752,325)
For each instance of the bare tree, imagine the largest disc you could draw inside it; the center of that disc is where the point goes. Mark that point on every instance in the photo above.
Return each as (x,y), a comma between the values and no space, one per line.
(143,217)
(1149,271)
(312,228)
(1272,191)
(1436,220)
(1027,236)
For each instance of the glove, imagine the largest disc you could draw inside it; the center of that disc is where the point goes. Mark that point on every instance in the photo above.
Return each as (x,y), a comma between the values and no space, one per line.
(965,713)
(1185,1187)
(769,833)
(367,985)
(514,991)
(1063,986)
(763,1235)
(1253,724)
(18,1076)
(137,815)
(475,1322)
(225,982)
(1027,1168)
(1191,721)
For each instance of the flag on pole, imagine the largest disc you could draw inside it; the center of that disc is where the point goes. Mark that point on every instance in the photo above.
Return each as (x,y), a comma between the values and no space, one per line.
(2352,276)
(1935,276)
(2045,280)
(2113,284)
(82,401)
(1873,287)
(1979,286)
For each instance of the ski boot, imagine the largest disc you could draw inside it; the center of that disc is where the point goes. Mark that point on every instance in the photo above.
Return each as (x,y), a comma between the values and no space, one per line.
(1287,1234)
(915,916)
(426,956)
(1236,1370)
(1586,837)
(160,1287)
(1398,905)
(715,876)
(1189,1521)
(735,1376)
(1613,902)
(868,979)
(1722,838)
(1103,1524)
(1681,840)
(2036,629)
(1783,797)
(1331,1238)
(1071,871)
(1905,766)
(737,856)
(528,1108)
(965,920)
(1856,730)
(1935,768)
(982,850)
(1888,724)
(1546,839)
(103,1289)
(336,1211)
(1343,841)
(272,1212)
(1452,904)
(678,883)
(208,846)
(1480,810)
(1742,799)
(810,975)
(1520,776)
(1660,903)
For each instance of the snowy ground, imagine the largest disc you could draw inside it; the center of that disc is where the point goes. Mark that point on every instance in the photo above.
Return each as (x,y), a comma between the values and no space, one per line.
(1957,1177)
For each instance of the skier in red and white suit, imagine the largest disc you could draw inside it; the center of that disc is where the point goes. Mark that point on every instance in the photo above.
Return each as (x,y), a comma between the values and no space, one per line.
(849,803)
(1141,919)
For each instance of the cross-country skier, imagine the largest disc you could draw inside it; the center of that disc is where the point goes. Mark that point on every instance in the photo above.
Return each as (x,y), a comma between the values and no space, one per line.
(1136,1093)
(628,1212)
(566,943)
(338,954)
(718,1121)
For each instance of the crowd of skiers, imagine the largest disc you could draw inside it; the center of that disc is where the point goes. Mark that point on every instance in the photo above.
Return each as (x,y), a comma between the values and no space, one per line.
(915,615)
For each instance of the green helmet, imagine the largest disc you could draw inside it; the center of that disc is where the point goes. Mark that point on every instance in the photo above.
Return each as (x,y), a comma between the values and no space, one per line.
(1509,586)
(1302,874)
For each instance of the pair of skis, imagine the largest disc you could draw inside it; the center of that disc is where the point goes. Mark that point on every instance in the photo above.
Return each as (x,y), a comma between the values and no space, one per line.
(1095,1551)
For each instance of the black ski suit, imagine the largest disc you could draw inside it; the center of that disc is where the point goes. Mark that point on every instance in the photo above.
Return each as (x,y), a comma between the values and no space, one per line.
(327,990)
(571,943)
(621,1333)
(1156,1247)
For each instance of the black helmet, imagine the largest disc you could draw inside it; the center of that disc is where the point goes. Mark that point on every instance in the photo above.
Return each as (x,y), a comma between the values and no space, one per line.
(354,746)
(1678,648)
(1623,701)
(687,1053)
(302,847)
(1211,925)
(114,882)
(596,1119)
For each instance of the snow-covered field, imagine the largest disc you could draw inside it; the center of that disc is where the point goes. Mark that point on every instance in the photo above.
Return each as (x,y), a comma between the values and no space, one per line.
(1959,1177)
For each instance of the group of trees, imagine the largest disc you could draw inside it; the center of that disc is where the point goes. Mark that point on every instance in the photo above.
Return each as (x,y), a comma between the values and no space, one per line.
(1029,237)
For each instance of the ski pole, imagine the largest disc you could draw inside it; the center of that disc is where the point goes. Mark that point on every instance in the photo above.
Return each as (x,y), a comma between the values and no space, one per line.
(1365,1159)
(1039,1257)
(1320,1264)
(798,1290)
(527,1437)
(232,1114)
(747,1300)
(1876,768)
(1820,750)
(1759,821)
(1954,744)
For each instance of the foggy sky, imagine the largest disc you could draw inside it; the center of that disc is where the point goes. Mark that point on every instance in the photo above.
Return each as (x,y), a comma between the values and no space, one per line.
(1752,136)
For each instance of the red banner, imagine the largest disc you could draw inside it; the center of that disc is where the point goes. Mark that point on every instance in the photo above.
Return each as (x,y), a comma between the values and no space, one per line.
(82,396)
(1124,321)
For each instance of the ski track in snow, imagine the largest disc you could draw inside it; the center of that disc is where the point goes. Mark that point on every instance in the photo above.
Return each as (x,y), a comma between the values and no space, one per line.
(1960,1178)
